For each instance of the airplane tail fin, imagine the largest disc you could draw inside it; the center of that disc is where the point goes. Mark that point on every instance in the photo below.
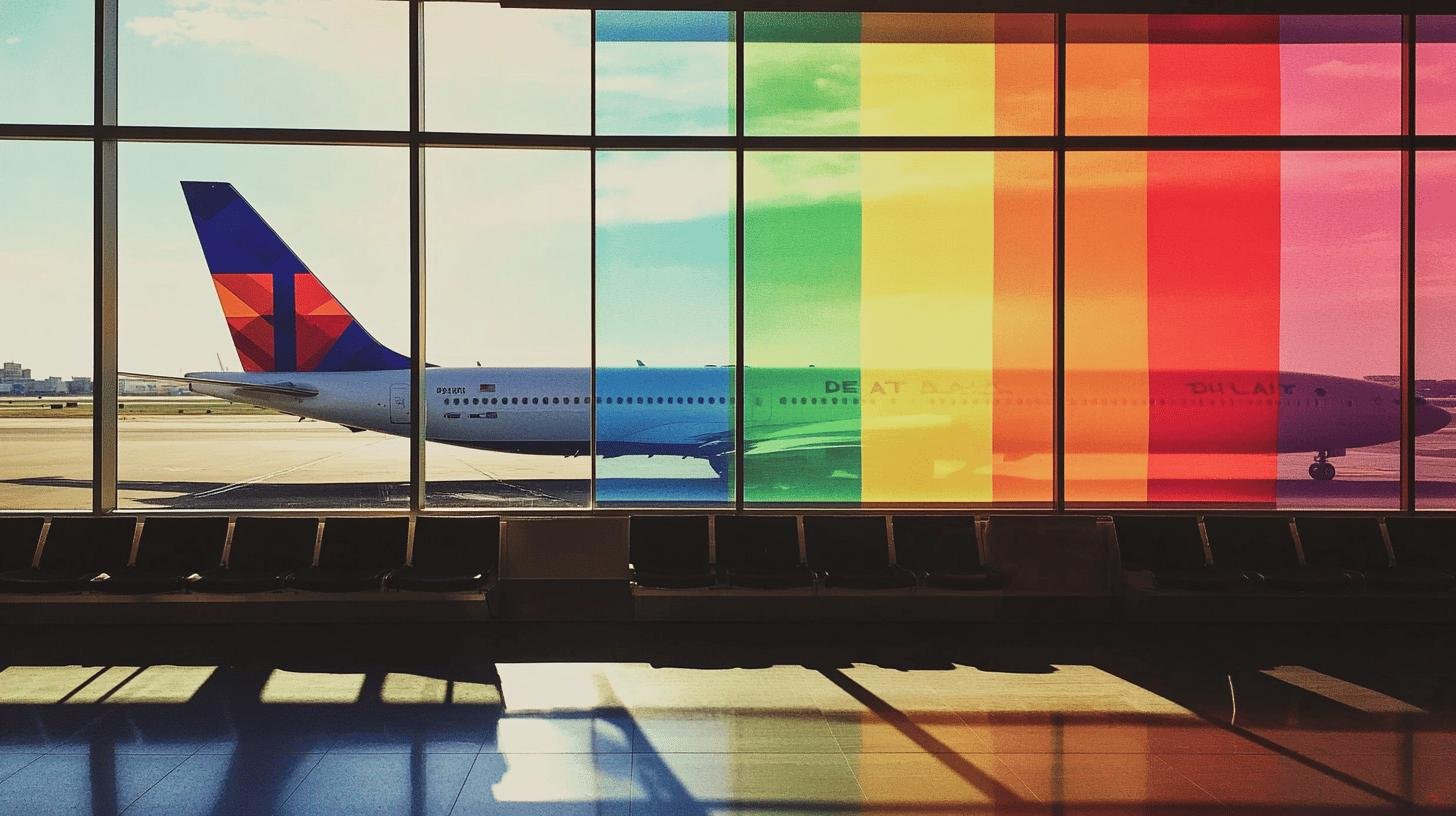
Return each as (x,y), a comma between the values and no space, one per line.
(280,315)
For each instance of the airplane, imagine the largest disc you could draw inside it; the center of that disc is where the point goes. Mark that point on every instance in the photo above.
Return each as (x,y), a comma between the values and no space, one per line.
(304,354)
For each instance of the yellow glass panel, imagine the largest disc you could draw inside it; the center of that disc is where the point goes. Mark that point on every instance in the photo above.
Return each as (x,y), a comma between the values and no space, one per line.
(927,289)
(929,89)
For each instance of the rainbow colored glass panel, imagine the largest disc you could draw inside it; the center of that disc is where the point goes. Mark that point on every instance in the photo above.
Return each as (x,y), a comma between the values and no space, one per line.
(1436,74)
(667,73)
(898,339)
(1229,316)
(1181,74)
(849,73)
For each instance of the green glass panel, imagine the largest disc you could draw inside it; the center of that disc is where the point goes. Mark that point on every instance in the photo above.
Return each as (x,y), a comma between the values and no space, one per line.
(801,326)
(801,73)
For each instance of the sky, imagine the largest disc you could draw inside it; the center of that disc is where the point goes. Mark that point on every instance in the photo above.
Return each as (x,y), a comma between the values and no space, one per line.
(510,234)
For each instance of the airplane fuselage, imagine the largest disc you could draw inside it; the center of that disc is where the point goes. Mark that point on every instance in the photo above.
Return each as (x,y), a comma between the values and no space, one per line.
(690,411)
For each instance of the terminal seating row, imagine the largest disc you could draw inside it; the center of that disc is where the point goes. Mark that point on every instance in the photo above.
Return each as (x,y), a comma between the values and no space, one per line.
(125,555)
(787,552)
(1309,554)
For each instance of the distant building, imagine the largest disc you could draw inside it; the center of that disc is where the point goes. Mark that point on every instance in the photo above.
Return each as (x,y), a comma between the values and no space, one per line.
(79,385)
(137,388)
(13,371)
(50,385)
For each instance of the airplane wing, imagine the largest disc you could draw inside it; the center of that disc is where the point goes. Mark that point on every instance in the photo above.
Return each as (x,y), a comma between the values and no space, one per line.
(808,437)
(805,442)
(286,389)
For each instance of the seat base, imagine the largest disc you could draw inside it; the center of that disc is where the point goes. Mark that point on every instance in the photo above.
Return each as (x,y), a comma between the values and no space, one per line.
(417,579)
(1310,579)
(770,579)
(36,582)
(674,580)
(966,579)
(887,578)
(1409,579)
(317,579)
(134,581)
(1206,579)
(229,581)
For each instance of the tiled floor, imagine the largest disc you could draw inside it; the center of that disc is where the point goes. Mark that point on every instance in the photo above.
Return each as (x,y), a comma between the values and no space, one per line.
(541,738)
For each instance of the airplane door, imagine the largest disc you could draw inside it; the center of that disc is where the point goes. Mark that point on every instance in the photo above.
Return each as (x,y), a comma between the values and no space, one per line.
(399,404)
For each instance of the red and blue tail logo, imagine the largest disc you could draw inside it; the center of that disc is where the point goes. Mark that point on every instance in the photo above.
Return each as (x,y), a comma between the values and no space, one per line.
(280,315)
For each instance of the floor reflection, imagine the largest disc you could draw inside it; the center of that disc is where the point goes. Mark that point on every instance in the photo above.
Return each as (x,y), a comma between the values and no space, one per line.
(1129,731)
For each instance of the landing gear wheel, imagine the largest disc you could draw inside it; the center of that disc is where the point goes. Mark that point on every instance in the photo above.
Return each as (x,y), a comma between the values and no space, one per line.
(1322,471)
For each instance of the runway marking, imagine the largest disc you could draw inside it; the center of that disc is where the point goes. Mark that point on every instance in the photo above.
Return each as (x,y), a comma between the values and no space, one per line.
(218,491)
(529,492)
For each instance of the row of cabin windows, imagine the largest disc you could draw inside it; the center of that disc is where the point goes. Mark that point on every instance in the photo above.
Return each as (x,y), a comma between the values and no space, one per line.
(818,401)
(855,401)
(1288,403)
(579,400)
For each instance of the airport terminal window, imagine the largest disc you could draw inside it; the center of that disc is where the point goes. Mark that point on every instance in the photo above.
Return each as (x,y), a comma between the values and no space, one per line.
(1232,324)
(508,235)
(1165,310)
(46,62)
(300,63)
(1189,74)
(929,274)
(665,301)
(45,330)
(1436,74)
(665,72)
(1435,314)
(507,70)
(849,73)
(265,258)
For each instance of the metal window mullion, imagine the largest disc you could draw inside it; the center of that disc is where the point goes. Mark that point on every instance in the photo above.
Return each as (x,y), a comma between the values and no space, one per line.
(1408,268)
(419,404)
(592,205)
(103,258)
(739,436)
(1059,275)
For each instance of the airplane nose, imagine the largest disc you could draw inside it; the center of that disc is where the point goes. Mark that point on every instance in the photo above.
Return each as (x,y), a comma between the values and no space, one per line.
(1430,418)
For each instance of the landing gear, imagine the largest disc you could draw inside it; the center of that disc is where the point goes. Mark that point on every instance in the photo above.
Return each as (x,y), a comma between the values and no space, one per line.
(1321,470)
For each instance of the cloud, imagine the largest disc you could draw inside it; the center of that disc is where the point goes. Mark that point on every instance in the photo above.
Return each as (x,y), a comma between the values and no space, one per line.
(644,187)
(1340,69)
(494,69)
(337,34)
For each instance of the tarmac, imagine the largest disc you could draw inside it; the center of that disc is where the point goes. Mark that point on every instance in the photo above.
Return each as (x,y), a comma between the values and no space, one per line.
(260,461)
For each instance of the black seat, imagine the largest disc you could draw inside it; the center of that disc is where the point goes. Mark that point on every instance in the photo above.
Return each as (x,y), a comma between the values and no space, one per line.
(355,555)
(761,552)
(173,550)
(1426,543)
(19,536)
(1354,543)
(76,552)
(1423,541)
(264,552)
(670,552)
(1171,548)
(1264,547)
(451,554)
(944,551)
(853,552)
